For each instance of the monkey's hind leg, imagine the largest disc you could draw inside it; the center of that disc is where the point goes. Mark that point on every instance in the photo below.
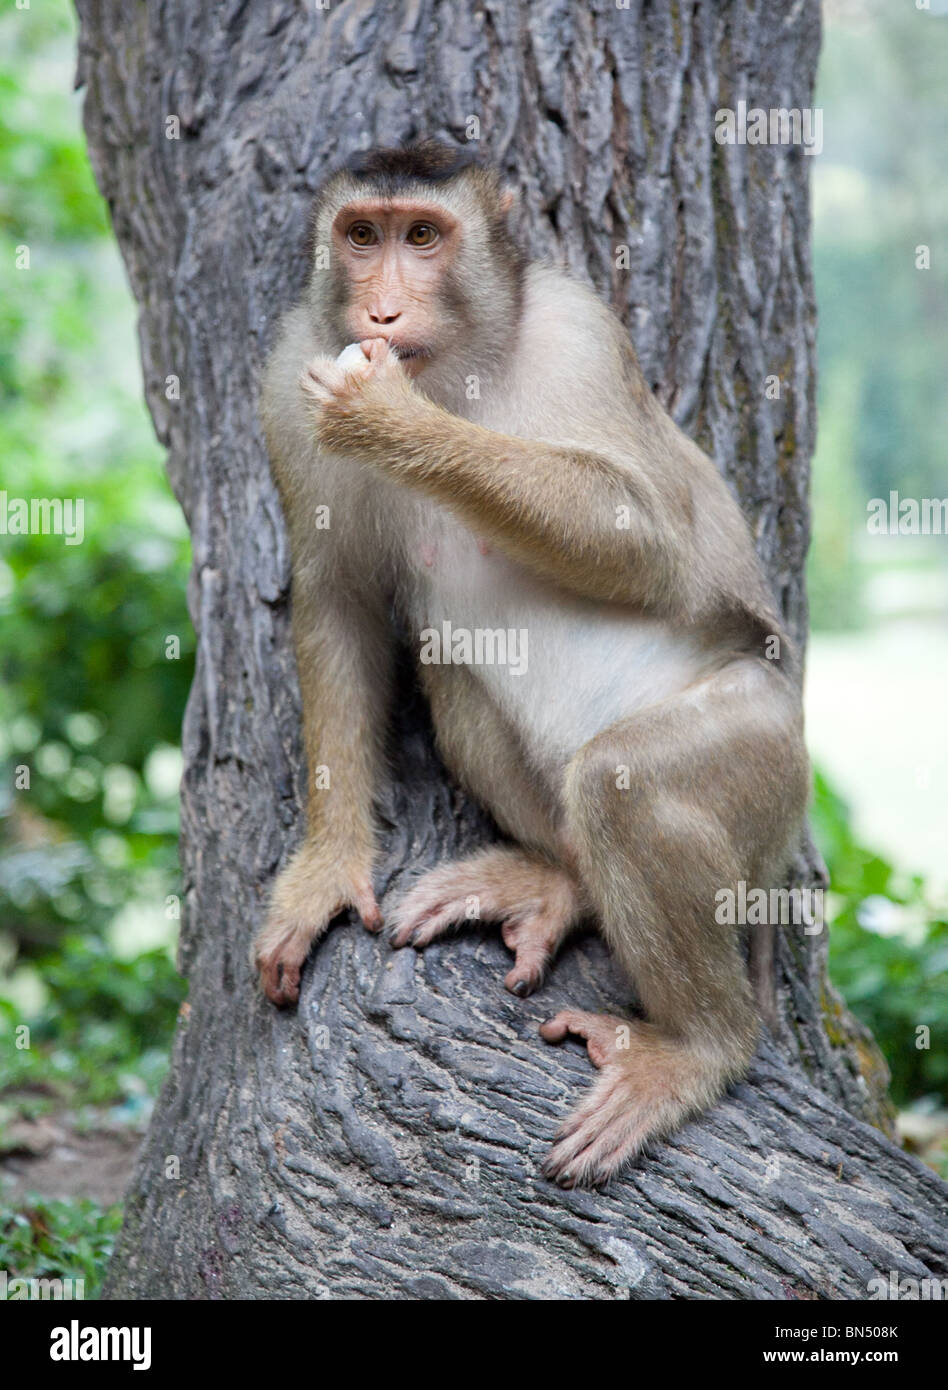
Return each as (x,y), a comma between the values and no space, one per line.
(537,902)
(665,810)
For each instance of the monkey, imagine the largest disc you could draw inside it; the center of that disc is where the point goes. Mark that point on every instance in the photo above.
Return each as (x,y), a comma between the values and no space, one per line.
(492,458)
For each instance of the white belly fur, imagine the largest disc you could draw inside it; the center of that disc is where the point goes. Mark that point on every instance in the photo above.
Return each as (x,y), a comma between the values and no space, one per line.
(587,664)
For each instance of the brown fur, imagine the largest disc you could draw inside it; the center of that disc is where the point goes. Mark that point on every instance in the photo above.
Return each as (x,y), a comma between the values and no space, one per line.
(503,501)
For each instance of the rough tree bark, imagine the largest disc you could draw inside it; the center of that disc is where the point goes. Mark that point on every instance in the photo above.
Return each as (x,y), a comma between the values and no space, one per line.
(384,1140)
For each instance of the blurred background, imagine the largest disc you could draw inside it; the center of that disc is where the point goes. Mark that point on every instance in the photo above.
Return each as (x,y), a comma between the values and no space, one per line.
(93,691)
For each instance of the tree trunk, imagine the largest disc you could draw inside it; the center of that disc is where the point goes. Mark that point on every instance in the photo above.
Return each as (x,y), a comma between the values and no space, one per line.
(384,1140)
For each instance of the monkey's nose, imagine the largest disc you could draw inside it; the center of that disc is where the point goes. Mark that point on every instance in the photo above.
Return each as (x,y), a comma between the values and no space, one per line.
(381,318)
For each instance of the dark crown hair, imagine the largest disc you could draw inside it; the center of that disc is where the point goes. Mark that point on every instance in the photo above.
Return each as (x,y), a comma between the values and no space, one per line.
(420,161)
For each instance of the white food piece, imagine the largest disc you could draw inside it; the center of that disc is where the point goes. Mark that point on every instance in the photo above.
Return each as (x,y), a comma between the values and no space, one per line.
(351,356)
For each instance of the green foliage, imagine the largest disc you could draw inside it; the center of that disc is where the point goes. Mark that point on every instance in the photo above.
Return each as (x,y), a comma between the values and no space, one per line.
(101,1039)
(46,192)
(43,1239)
(888,953)
(98,650)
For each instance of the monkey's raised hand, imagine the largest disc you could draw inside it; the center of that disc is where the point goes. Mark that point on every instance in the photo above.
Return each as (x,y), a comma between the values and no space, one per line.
(317,884)
(335,393)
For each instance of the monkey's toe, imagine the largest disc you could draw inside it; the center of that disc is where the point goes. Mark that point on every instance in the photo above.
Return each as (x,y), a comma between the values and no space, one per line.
(649,1083)
(533,940)
(600,1135)
(604,1034)
(420,929)
(610,1125)
(426,913)
(535,903)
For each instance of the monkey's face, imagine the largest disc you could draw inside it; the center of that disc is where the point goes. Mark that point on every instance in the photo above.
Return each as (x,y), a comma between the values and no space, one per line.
(396,256)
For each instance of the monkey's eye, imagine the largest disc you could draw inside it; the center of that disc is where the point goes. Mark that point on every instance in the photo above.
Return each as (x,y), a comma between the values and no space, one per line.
(362,234)
(422,234)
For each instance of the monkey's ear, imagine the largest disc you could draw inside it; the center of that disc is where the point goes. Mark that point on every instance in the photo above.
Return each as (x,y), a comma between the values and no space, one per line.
(508,196)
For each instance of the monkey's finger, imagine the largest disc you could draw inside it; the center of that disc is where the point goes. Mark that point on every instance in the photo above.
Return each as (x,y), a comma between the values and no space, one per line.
(365,904)
(360,369)
(289,985)
(407,915)
(400,936)
(522,983)
(437,925)
(375,349)
(314,390)
(386,361)
(437,901)
(381,351)
(353,355)
(322,378)
(280,980)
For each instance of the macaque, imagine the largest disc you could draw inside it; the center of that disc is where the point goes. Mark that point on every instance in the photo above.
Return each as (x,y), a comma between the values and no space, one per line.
(491,460)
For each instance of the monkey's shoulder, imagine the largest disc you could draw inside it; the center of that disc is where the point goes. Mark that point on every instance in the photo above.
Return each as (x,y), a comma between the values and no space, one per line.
(558,309)
(575,368)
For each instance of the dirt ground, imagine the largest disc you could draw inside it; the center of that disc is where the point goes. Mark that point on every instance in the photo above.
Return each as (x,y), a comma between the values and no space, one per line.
(55,1162)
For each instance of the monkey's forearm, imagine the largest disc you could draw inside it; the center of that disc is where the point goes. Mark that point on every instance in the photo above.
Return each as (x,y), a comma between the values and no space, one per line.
(341,770)
(342,661)
(571,515)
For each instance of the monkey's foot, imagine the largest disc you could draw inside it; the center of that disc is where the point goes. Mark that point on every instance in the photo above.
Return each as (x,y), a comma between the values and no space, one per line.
(536,901)
(648,1085)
